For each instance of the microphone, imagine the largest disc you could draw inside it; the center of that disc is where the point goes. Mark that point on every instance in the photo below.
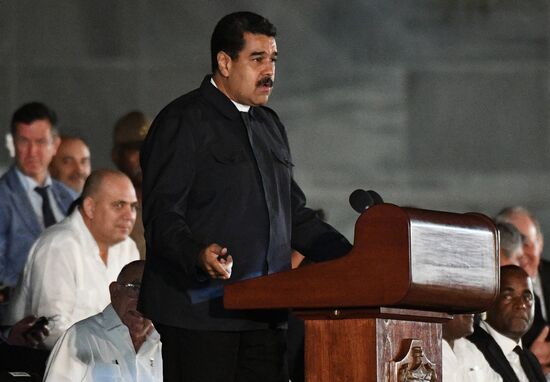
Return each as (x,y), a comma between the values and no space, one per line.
(360,200)
(376,197)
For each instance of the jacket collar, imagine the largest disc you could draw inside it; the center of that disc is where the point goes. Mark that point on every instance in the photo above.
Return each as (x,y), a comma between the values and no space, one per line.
(219,100)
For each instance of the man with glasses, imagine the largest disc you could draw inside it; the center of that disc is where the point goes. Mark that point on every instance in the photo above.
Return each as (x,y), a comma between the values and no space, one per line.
(116,344)
(71,265)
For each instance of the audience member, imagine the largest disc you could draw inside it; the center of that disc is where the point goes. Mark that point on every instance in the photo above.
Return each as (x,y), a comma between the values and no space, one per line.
(129,133)
(460,357)
(529,227)
(508,319)
(116,344)
(29,199)
(511,244)
(71,265)
(71,164)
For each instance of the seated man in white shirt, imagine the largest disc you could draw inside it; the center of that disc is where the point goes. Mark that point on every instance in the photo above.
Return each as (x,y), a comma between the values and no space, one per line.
(460,357)
(508,319)
(71,265)
(116,344)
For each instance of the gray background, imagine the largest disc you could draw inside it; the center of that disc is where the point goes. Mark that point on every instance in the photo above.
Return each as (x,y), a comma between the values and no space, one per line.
(439,104)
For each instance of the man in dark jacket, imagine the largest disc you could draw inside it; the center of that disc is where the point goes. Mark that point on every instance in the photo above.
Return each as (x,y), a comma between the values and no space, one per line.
(220,204)
(508,319)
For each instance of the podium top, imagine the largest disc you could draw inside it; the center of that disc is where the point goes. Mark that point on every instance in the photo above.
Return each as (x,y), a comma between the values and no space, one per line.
(401,257)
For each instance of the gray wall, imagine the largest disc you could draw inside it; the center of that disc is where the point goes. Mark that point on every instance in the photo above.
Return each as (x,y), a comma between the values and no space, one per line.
(436,104)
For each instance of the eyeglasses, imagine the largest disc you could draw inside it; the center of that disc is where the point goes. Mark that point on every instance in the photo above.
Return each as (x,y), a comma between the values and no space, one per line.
(132,289)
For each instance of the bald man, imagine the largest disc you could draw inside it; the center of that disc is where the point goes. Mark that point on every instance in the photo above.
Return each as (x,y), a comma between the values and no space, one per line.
(71,265)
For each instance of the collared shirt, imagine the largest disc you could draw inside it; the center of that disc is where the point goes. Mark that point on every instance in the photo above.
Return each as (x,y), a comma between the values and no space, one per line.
(29,184)
(507,345)
(100,349)
(65,278)
(465,363)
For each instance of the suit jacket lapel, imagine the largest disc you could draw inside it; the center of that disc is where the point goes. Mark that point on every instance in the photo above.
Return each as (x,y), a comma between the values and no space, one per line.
(493,354)
(21,202)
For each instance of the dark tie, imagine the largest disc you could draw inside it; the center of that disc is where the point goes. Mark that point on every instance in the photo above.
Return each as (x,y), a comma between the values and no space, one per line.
(525,364)
(47,212)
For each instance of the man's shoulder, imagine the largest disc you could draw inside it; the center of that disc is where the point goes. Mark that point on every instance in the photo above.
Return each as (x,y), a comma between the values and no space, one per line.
(544,269)
(62,190)
(58,235)
(9,182)
(480,337)
(184,103)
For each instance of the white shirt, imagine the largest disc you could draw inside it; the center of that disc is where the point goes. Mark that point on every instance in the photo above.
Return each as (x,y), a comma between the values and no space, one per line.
(65,278)
(464,363)
(29,184)
(507,345)
(100,349)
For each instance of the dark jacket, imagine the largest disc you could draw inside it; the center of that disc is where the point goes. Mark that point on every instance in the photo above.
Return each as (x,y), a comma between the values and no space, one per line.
(209,177)
(498,361)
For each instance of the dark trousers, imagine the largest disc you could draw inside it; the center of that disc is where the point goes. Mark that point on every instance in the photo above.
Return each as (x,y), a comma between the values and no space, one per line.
(218,356)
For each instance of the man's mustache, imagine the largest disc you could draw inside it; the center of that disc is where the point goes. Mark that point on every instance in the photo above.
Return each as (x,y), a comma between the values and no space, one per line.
(266,81)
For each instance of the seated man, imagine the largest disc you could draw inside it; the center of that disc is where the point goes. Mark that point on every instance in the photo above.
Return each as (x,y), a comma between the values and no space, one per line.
(71,163)
(71,265)
(30,200)
(508,319)
(117,343)
(460,358)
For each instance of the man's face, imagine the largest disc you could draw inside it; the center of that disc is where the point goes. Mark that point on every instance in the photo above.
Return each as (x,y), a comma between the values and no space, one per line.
(112,211)
(127,161)
(124,298)
(513,311)
(250,76)
(34,148)
(461,325)
(71,163)
(532,244)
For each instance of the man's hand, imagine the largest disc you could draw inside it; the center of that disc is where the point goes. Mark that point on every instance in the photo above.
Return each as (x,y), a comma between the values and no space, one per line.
(216,262)
(25,333)
(541,349)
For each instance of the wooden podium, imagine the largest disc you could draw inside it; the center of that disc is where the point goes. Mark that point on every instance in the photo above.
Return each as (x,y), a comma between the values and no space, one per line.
(376,313)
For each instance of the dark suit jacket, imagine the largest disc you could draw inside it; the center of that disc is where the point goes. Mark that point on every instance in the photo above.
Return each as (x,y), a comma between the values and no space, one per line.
(496,358)
(19,226)
(539,322)
(544,275)
(211,175)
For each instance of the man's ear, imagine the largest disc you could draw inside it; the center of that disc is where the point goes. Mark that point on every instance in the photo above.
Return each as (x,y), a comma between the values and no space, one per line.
(88,207)
(113,288)
(224,63)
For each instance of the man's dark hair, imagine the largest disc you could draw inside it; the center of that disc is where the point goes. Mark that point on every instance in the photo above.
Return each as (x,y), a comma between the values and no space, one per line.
(228,34)
(30,112)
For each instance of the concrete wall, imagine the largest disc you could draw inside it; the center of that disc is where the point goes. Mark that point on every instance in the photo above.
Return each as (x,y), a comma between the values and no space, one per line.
(439,104)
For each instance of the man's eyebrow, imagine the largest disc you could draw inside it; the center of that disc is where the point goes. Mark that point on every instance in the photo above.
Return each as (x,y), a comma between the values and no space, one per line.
(258,53)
